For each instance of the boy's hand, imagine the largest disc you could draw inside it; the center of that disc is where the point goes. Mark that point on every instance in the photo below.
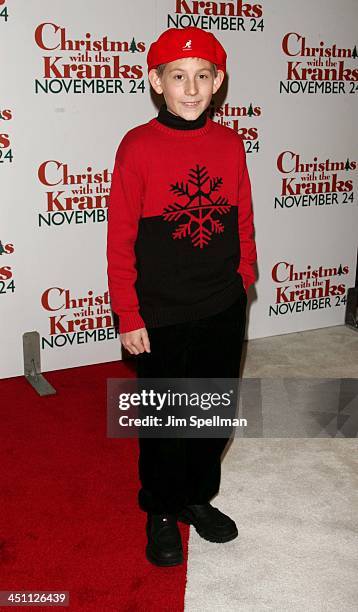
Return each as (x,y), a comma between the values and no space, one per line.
(136,341)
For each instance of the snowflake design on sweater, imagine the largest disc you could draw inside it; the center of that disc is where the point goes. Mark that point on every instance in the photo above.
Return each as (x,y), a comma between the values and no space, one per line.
(199,209)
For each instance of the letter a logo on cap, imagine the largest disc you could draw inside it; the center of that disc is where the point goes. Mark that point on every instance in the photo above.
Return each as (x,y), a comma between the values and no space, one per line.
(187,45)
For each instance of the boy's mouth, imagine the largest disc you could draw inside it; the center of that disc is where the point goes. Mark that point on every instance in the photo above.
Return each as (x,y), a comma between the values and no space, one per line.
(191,104)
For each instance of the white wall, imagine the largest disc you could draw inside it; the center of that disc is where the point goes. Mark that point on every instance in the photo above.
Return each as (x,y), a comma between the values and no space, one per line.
(44,136)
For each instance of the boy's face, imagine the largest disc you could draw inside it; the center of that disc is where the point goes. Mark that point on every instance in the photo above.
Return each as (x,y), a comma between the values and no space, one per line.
(188,85)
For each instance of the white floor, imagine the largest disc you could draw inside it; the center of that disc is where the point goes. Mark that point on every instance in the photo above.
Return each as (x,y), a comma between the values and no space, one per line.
(295,500)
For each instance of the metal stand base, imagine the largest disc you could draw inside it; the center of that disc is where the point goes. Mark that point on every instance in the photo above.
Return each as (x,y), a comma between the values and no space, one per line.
(351,318)
(32,364)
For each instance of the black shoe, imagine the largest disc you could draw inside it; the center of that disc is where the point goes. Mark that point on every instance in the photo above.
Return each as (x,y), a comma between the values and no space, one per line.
(164,546)
(210,523)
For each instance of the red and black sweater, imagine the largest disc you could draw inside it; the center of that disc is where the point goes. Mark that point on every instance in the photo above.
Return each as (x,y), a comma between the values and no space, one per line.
(180,243)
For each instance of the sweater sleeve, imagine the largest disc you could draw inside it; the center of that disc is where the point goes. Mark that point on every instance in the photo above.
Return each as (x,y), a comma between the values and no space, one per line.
(248,255)
(124,210)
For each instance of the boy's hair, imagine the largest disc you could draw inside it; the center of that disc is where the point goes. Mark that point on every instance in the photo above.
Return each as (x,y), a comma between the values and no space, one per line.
(160,68)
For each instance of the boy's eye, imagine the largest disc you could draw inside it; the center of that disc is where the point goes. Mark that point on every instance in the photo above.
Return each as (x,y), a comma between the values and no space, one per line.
(177,76)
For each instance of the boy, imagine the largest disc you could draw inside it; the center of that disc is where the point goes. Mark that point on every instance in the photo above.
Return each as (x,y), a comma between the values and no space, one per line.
(181,252)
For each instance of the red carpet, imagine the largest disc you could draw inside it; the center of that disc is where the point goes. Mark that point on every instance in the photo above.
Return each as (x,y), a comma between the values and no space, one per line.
(69,514)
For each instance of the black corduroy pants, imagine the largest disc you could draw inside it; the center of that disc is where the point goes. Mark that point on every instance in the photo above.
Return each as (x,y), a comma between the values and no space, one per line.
(179,471)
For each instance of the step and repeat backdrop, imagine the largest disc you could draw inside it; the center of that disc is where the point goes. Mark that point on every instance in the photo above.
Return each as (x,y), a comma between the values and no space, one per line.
(74,81)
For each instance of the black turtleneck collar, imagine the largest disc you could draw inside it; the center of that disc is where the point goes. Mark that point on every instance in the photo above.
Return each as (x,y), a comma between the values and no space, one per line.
(179,123)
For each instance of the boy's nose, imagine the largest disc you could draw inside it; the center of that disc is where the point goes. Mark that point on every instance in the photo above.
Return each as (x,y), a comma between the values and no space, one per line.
(191,87)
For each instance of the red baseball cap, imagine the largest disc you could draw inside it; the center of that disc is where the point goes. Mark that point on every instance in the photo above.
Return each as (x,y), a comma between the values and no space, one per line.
(176,43)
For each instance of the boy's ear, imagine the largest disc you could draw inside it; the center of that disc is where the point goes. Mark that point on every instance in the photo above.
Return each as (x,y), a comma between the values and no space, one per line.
(218,81)
(155,81)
